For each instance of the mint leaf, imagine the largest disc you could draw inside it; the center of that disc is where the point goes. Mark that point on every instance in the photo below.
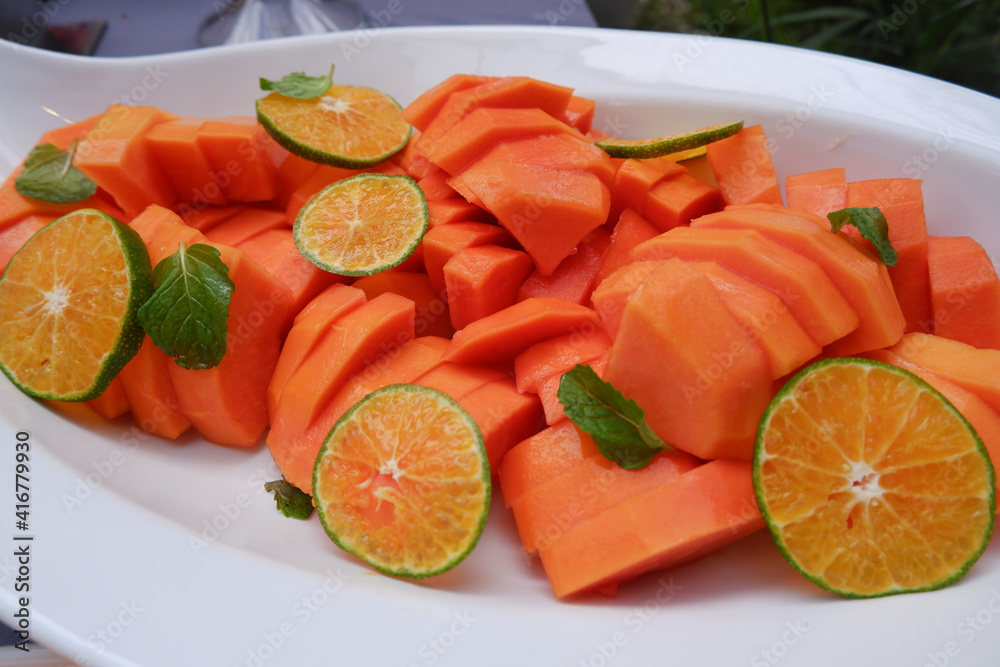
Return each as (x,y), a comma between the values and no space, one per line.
(617,424)
(49,175)
(872,225)
(293,502)
(187,313)
(298,85)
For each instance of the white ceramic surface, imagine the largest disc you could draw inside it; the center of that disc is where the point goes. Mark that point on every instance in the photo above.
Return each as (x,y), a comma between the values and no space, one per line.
(147,552)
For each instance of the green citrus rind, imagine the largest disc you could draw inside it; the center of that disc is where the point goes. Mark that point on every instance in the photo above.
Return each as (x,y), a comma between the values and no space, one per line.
(130,333)
(307,149)
(664,146)
(416,220)
(355,546)
(786,394)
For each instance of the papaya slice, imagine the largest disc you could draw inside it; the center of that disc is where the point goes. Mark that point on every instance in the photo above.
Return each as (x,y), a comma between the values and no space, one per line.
(901,202)
(764,317)
(972,368)
(704,393)
(965,291)
(743,168)
(498,338)
(863,281)
(817,192)
(483,128)
(548,211)
(504,415)
(116,156)
(421,111)
(546,511)
(558,355)
(712,505)
(541,457)
(357,338)
(504,92)
(609,298)
(805,288)
(441,242)
(482,280)
(573,279)
(227,404)
(630,230)
(174,145)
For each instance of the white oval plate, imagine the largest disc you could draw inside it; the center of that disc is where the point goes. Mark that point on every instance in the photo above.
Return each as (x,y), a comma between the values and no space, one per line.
(155,553)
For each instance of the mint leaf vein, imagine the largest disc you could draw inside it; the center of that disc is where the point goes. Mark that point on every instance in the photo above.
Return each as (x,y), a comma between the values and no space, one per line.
(617,424)
(873,226)
(49,175)
(187,314)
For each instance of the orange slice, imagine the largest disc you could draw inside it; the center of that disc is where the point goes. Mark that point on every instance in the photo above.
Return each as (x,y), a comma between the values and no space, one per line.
(363,224)
(352,127)
(403,482)
(871,482)
(68,306)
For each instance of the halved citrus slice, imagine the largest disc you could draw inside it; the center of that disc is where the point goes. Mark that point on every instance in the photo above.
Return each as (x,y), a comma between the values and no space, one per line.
(68,306)
(672,143)
(348,126)
(871,482)
(402,481)
(363,224)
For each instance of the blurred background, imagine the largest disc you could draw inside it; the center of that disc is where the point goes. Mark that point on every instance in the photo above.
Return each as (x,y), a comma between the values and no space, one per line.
(954,40)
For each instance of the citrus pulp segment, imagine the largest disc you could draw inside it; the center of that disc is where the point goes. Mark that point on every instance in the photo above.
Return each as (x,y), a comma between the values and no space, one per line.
(363,224)
(68,306)
(672,143)
(352,127)
(402,481)
(871,482)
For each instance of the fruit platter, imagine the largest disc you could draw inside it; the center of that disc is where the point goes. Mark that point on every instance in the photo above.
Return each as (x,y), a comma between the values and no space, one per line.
(573,346)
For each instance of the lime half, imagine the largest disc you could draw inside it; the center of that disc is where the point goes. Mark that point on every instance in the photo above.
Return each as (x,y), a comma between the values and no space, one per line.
(871,482)
(69,300)
(363,224)
(352,127)
(403,482)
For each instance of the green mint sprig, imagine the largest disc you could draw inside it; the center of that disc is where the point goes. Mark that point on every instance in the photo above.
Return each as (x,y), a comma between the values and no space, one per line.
(298,85)
(49,175)
(617,424)
(872,225)
(187,314)
(291,501)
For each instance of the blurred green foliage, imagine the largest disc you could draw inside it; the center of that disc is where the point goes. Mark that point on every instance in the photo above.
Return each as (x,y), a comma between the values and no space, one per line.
(954,40)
